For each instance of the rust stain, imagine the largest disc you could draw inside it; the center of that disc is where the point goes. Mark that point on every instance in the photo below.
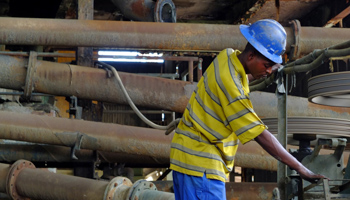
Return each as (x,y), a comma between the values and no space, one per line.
(333,108)
(139,8)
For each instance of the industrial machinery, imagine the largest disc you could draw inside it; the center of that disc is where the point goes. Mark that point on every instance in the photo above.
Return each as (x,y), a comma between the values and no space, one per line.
(66,127)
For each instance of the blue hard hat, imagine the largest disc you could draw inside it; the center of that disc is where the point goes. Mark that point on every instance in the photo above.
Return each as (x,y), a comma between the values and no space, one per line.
(268,37)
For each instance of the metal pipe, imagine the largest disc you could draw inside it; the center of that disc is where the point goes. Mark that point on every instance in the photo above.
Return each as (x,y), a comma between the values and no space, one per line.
(130,141)
(95,57)
(148,35)
(41,184)
(282,136)
(115,143)
(58,154)
(90,135)
(166,94)
(65,80)
(190,71)
(199,69)
(22,180)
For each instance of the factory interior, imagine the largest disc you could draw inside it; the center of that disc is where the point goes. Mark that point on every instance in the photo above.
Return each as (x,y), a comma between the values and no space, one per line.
(87,87)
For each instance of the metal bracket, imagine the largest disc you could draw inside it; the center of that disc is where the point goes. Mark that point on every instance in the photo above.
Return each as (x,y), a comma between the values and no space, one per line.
(76,146)
(31,69)
(339,143)
(74,109)
(295,48)
(11,178)
(279,80)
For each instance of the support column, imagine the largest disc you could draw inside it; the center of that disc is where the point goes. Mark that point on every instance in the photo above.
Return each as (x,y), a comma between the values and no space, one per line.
(92,110)
(282,138)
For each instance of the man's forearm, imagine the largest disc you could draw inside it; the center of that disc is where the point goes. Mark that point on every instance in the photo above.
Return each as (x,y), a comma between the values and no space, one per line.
(269,142)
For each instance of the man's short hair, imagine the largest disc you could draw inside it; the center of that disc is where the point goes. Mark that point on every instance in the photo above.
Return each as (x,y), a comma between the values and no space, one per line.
(250,48)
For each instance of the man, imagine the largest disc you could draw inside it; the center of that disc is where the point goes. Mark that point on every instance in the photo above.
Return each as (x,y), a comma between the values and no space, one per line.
(220,115)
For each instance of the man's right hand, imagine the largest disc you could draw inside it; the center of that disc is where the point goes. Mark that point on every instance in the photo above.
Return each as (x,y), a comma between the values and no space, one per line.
(309,175)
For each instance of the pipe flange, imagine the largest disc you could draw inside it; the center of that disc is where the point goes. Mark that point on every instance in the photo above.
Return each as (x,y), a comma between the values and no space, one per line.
(11,178)
(165,11)
(295,48)
(113,185)
(138,187)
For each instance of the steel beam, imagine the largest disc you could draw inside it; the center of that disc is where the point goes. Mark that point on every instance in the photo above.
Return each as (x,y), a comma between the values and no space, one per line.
(148,35)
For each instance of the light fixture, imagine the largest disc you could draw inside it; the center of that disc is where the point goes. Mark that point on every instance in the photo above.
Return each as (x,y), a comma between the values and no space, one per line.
(130,56)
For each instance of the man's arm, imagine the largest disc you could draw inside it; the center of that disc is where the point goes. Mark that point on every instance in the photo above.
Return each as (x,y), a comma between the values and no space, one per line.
(269,142)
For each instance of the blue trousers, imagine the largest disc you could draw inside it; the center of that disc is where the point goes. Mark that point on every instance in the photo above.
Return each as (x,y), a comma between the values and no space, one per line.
(193,187)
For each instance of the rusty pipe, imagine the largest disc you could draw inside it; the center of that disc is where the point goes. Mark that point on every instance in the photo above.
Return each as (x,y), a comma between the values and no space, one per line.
(66,80)
(127,140)
(22,180)
(90,135)
(91,83)
(149,35)
(40,184)
(112,139)
(56,154)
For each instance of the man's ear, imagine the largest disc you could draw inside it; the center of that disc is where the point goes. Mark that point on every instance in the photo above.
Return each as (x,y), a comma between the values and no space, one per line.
(251,55)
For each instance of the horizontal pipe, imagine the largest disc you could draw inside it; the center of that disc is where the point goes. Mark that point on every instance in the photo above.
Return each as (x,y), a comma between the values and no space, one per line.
(125,144)
(91,135)
(22,180)
(134,142)
(149,35)
(66,80)
(40,184)
(153,92)
(60,154)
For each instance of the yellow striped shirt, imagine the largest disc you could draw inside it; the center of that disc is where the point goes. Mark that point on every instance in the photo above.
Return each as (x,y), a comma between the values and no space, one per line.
(218,116)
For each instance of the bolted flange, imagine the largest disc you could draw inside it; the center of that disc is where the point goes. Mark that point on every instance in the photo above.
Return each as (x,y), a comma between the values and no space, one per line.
(11,178)
(113,185)
(138,187)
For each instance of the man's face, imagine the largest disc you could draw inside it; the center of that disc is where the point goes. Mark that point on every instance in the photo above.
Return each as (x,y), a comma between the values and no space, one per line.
(260,67)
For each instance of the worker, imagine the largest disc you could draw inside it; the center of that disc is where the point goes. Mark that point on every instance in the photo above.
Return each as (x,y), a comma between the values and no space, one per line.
(220,115)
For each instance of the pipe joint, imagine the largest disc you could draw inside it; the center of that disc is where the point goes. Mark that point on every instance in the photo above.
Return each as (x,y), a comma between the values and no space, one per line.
(139,187)
(114,187)
(11,178)
(295,48)
(165,11)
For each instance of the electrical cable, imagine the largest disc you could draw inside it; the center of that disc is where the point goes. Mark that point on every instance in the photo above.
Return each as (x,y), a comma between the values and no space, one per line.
(169,128)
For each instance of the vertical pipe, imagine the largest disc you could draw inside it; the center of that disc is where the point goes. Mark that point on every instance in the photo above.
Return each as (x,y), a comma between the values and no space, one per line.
(85,12)
(282,138)
(199,69)
(190,71)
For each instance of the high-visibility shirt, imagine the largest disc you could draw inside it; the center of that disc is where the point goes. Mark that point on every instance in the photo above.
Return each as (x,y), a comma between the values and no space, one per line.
(218,116)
